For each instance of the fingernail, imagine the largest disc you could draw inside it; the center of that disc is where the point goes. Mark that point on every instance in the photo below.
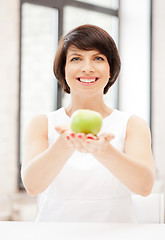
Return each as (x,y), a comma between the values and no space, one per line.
(90,137)
(79,136)
(68,137)
(72,135)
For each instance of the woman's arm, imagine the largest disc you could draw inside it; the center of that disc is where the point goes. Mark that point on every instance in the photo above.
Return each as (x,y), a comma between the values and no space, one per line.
(135,167)
(42,163)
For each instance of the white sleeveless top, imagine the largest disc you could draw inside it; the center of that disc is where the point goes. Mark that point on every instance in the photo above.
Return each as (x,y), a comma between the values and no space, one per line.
(84,190)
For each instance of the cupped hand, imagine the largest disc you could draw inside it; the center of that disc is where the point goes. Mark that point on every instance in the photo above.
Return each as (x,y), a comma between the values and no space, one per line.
(87,143)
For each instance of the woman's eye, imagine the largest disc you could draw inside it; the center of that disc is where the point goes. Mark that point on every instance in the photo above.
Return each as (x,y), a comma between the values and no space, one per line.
(99,59)
(75,59)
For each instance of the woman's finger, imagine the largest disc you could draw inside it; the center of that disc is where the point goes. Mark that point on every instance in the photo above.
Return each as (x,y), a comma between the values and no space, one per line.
(91,136)
(61,129)
(107,136)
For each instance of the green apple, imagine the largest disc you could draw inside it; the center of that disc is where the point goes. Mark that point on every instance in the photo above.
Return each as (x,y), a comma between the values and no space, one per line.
(86,121)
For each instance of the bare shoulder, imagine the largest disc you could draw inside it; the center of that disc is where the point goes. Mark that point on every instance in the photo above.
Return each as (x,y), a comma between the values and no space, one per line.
(37,125)
(137,125)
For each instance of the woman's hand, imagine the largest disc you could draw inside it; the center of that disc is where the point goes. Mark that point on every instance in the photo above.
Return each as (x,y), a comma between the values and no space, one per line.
(87,143)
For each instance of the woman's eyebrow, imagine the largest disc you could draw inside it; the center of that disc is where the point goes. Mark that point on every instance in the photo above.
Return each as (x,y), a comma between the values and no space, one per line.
(98,53)
(74,53)
(78,54)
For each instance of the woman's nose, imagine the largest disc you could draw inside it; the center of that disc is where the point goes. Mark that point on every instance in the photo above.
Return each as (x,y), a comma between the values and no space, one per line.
(87,67)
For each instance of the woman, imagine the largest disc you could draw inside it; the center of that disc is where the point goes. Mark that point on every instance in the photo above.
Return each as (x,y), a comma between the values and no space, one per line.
(83,177)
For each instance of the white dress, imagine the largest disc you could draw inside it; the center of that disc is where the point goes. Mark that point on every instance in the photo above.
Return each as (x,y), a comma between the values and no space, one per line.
(84,190)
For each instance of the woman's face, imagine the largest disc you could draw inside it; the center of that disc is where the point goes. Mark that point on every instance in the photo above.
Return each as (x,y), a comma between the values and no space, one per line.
(86,71)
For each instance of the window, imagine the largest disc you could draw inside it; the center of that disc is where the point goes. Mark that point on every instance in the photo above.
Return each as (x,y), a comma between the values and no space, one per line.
(38,45)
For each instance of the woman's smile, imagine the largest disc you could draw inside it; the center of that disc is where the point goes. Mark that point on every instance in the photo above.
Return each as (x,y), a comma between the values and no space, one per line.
(86,80)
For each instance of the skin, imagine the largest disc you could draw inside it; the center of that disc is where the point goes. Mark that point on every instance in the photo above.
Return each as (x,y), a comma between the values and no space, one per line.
(41,163)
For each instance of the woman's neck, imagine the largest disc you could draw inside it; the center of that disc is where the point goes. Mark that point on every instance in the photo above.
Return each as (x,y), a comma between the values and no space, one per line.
(94,103)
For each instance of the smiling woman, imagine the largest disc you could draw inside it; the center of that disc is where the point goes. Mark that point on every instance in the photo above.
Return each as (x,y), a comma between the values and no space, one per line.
(87,37)
(83,177)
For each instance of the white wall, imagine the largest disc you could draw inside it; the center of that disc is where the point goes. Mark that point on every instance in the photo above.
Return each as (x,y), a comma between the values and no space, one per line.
(9,72)
(134,52)
(158,95)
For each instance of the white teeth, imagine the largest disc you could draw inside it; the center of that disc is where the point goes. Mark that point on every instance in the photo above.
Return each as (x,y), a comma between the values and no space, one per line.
(87,80)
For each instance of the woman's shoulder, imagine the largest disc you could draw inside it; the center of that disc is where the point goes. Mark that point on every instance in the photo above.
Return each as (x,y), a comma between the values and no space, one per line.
(39,122)
(37,125)
(137,121)
(42,118)
(137,124)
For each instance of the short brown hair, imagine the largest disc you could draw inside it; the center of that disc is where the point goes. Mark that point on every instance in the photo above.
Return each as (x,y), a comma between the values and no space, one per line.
(87,37)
